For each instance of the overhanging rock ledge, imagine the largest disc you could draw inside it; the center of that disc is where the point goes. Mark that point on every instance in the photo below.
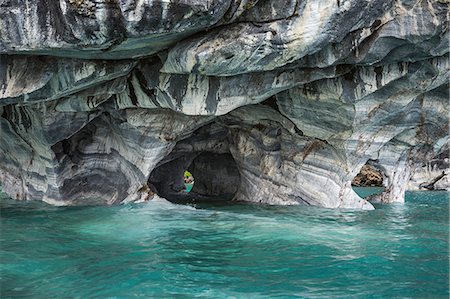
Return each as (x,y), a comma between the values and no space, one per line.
(96,96)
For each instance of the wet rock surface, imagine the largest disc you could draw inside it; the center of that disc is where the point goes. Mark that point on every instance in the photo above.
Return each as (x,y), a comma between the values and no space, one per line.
(97,96)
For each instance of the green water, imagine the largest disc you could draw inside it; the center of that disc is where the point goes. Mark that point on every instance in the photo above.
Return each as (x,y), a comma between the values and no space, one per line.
(162,250)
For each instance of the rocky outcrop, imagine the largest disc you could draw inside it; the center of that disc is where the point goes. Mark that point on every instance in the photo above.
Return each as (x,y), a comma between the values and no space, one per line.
(432,175)
(110,101)
(104,29)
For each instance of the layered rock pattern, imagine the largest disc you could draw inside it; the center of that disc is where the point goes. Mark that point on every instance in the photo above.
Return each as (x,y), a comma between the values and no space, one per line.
(110,101)
(432,175)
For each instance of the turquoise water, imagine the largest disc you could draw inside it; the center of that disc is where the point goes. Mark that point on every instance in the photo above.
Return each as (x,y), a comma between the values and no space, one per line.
(162,250)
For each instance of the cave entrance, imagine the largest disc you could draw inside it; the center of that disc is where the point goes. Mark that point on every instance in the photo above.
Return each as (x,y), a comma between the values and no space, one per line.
(369,181)
(215,177)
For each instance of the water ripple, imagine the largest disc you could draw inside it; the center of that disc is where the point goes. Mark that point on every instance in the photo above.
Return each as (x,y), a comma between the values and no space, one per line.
(161,250)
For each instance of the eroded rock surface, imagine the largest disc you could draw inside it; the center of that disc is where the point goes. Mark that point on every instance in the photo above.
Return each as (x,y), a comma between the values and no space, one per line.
(108,101)
(432,175)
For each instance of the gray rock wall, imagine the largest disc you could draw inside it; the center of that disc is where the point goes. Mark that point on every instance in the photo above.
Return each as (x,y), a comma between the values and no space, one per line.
(96,95)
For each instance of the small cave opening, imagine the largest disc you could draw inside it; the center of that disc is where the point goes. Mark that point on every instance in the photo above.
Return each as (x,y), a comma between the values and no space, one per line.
(196,178)
(369,181)
(272,103)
